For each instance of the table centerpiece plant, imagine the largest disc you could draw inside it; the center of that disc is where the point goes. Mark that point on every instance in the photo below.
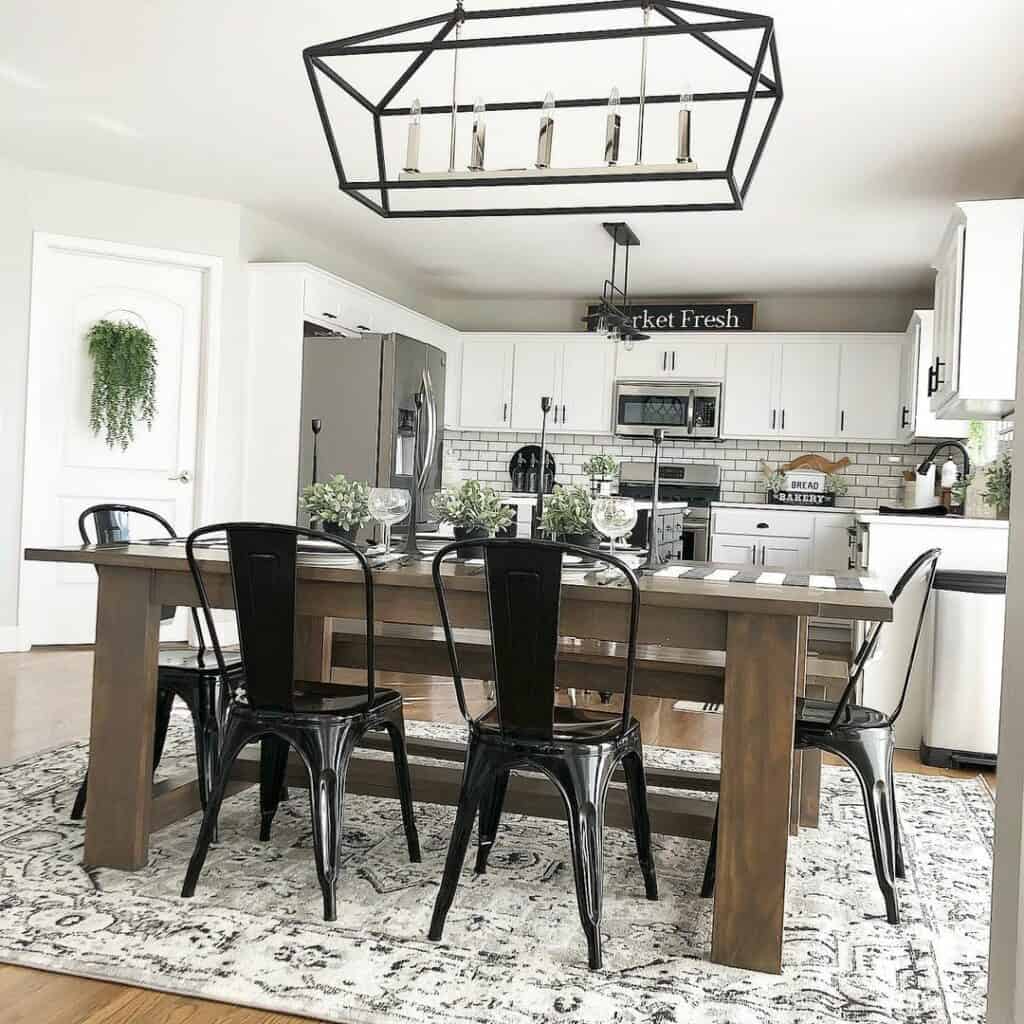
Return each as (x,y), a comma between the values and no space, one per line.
(601,469)
(341,505)
(568,514)
(473,510)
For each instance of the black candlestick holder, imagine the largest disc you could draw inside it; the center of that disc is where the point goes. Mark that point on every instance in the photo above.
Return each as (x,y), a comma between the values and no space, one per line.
(653,560)
(545,408)
(412,549)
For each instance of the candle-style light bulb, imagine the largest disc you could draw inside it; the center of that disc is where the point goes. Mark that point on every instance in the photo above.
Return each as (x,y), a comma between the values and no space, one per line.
(478,141)
(412,145)
(685,110)
(546,133)
(613,126)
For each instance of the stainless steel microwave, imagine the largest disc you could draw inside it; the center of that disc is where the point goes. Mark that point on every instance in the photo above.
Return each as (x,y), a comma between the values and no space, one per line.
(682,409)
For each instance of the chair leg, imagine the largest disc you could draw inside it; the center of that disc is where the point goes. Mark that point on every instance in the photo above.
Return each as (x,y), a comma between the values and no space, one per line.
(396,731)
(707,890)
(584,791)
(474,779)
(164,705)
(326,752)
(273,770)
(207,736)
(491,803)
(636,786)
(235,738)
(869,753)
(901,868)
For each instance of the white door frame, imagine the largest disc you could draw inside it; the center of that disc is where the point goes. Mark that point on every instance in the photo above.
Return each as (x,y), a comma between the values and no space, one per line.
(212,268)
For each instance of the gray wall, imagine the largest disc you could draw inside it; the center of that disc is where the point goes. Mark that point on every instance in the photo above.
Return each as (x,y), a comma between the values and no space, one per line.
(774,313)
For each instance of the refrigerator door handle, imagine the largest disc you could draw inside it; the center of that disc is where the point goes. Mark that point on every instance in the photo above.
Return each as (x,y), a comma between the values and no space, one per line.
(431,408)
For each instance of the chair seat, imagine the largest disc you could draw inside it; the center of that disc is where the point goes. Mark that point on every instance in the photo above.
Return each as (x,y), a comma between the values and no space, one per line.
(580,725)
(186,659)
(317,698)
(814,715)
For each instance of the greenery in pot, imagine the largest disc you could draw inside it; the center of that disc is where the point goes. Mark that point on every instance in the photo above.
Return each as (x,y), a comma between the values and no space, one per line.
(567,514)
(998,478)
(836,484)
(338,501)
(471,506)
(123,379)
(601,469)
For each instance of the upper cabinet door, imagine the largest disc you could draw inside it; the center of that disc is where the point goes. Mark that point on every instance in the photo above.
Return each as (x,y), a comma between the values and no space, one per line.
(536,373)
(486,384)
(750,393)
(809,391)
(949,280)
(585,396)
(322,299)
(669,357)
(906,412)
(869,390)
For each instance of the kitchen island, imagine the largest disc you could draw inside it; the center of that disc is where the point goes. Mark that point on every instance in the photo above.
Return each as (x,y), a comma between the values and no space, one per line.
(760,628)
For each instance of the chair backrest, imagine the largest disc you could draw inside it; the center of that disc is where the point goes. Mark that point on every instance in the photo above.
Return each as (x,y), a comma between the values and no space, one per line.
(263,559)
(524,588)
(121,524)
(925,564)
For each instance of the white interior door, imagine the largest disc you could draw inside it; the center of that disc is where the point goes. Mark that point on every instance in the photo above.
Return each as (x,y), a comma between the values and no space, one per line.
(67,467)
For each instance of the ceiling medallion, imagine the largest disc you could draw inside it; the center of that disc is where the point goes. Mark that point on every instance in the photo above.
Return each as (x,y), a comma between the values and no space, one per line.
(445,175)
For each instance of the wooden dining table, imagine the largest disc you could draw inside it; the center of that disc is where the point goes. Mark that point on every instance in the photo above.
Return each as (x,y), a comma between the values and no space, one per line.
(759,632)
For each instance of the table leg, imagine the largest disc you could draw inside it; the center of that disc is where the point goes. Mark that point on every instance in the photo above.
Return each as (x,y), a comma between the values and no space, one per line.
(762,662)
(801,768)
(123,720)
(313,639)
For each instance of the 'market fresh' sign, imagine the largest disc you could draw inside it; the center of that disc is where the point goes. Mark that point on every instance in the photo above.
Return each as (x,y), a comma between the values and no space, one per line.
(687,316)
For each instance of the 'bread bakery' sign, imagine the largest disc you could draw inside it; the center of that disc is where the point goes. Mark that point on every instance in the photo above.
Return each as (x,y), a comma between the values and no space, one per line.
(686,316)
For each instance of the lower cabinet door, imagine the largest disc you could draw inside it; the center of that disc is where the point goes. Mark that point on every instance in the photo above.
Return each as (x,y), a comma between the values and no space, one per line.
(791,555)
(736,550)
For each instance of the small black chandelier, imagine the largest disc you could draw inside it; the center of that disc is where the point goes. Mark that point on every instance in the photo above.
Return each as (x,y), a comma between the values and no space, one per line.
(435,182)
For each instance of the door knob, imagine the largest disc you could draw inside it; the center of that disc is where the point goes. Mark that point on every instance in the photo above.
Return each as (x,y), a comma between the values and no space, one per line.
(183,477)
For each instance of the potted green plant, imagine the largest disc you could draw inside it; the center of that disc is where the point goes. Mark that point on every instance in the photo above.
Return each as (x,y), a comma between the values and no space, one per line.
(998,478)
(474,510)
(567,514)
(123,379)
(341,505)
(601,470)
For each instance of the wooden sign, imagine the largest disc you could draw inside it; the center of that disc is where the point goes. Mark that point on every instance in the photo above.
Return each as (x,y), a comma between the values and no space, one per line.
(650,318)
(804,481)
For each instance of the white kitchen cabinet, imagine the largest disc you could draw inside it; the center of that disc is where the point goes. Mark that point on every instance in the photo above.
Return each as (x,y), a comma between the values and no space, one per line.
(809,389)
(972,373)
(915,414)
(797,540)
(321,299)
(749,398)
(869,390)
(735,550)
(792,554)
(584,392)
(670,357)
(831,551)
(487,373)
(536,373)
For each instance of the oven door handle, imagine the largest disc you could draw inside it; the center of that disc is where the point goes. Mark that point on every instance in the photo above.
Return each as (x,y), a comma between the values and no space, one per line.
(692,411)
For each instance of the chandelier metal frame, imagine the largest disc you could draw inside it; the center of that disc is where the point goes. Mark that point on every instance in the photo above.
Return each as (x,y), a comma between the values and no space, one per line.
(674,14)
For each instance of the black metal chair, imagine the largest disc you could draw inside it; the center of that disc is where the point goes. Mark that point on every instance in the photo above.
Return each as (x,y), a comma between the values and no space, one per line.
(193,676)
(864,739)
(323,722)
(578,749)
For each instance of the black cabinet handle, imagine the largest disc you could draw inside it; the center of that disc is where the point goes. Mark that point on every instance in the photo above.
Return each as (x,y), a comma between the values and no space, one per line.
(329,316)
(563,412)
(556,413)
(504,412)
(762,526)
(842,420)
(931,381)
(783,419)
(773,419)
(939,381)
(664,360)
(673,359)
(905,417)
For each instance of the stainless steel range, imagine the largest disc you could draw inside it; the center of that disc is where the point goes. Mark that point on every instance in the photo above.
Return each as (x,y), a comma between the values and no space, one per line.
(685,493)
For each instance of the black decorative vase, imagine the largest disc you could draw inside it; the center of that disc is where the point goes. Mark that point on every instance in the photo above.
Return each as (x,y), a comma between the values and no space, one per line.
(471,533)
(336,530)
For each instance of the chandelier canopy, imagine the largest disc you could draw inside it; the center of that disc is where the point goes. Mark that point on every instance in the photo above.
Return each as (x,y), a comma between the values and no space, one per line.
(489,124)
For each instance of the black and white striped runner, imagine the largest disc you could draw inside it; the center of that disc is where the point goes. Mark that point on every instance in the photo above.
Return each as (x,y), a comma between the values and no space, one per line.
(821,581)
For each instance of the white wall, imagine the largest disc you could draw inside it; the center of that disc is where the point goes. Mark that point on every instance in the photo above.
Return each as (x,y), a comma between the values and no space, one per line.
(774,313)
(32,200)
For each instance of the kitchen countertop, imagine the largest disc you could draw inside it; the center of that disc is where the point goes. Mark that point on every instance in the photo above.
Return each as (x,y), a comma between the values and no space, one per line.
(959,522)
(521,498)
(782,508)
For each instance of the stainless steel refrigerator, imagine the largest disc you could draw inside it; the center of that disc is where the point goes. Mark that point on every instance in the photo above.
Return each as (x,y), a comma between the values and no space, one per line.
(363,392)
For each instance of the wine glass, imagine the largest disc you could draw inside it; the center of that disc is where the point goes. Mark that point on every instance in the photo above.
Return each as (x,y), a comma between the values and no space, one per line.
(389,505)
(614,517)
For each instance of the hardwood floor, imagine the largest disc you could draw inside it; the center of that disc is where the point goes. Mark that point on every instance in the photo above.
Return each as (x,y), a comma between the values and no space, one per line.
(44,702)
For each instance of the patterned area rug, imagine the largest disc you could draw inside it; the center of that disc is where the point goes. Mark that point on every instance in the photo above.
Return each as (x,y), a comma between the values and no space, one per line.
(513,949)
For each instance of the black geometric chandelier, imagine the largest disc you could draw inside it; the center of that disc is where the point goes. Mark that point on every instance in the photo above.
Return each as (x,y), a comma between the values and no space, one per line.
(447,117)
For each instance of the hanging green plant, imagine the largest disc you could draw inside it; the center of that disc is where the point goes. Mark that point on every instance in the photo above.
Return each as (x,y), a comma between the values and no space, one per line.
(123,379)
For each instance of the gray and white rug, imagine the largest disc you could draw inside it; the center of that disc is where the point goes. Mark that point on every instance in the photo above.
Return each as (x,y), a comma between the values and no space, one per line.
(513,950)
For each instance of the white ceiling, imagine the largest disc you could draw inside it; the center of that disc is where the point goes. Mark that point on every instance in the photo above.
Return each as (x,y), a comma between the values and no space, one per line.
(893,111)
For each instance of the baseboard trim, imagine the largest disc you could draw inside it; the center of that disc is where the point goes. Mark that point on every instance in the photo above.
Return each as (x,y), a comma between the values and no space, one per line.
(13,638)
